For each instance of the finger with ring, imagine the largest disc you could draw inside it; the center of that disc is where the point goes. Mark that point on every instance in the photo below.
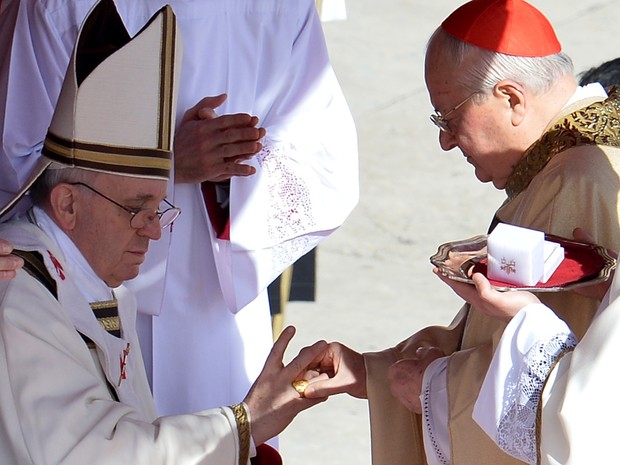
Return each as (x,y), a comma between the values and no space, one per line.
(300,386)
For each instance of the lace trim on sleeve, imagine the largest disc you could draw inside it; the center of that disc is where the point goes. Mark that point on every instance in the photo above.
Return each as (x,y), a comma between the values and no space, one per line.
(517,428)
(429,426)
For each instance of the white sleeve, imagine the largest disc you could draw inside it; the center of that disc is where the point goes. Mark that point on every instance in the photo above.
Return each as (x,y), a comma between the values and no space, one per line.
(309,160)
(507,406)
(61,410)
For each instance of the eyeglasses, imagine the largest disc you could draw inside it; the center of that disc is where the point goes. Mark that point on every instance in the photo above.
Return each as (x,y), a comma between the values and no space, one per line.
(142,217)
(441,121)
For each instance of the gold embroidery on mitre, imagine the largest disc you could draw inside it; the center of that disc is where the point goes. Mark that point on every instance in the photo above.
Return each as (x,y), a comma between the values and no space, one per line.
(596,124)
(109,158)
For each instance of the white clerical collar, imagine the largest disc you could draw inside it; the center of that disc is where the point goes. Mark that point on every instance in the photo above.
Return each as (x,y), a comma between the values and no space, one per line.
(590,90)
(92,286)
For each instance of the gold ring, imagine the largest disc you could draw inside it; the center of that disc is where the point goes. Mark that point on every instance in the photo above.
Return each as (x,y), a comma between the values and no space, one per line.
(300,386)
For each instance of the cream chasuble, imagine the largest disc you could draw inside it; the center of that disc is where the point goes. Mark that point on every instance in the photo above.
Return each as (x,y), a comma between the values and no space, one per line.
(568,179)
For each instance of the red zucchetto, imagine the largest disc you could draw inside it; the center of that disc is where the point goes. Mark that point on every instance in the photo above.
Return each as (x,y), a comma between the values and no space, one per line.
(513,27)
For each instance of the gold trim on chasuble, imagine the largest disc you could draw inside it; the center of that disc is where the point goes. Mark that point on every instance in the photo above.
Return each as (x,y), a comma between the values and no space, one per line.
(596,124)
(106,312)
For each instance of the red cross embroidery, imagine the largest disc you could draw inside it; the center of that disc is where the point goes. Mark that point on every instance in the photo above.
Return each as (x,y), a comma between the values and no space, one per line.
(123,357)
(57,265)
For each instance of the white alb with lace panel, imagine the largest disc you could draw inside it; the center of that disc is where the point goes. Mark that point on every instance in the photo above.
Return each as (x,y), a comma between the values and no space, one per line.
(516,433)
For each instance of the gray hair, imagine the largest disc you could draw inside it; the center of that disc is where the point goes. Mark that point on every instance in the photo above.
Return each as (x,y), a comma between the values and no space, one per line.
(50,178)
(484,68)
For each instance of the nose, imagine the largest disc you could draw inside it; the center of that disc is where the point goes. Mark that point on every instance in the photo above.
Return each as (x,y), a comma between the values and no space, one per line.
(152,230)
(447,141)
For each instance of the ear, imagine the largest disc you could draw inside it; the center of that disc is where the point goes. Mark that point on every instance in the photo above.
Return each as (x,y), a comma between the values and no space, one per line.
(63,204)
(514,95)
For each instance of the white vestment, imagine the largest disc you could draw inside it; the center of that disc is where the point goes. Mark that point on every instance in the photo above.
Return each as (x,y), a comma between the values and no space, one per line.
(58,396)
(538,363)
(204,318)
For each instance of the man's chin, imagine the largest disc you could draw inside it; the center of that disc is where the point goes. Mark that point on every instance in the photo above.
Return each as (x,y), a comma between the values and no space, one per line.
(483,177)
(499,184)
(129,273)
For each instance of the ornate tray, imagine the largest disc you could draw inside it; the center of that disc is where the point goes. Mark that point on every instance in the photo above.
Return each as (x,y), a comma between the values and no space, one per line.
(583,264)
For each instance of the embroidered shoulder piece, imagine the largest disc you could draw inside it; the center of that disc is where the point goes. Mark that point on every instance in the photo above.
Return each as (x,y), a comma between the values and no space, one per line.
(35,267)
(596,124)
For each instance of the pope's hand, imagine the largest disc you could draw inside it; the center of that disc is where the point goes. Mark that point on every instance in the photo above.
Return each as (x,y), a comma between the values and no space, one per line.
(272,400)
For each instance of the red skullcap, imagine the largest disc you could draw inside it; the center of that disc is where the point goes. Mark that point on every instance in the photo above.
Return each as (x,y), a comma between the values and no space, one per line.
(512,27)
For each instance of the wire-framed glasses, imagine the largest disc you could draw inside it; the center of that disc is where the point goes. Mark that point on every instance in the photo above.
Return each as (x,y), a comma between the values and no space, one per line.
(441,120)
(142,217)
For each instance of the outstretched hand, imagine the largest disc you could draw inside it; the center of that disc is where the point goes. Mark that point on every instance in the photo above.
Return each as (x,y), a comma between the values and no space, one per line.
(9,264)
(339,370)
(209,147)
(272,400)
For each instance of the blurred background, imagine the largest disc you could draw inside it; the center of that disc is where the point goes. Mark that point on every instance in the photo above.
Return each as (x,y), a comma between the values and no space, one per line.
(374,283)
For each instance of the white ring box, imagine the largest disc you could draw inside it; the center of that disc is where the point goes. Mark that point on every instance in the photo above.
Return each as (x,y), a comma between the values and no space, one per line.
(521,256)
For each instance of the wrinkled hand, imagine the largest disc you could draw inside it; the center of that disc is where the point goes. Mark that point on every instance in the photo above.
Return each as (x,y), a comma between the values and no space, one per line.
(272,400)
(500,305)
(406,377)
(9,264)
(208,147)
(341,370)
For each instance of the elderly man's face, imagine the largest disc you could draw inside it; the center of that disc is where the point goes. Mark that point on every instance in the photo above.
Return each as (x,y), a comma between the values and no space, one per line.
(103,233)
(482,130)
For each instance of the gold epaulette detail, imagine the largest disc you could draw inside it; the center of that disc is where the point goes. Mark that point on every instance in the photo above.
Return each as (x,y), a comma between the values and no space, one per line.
(596,124)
